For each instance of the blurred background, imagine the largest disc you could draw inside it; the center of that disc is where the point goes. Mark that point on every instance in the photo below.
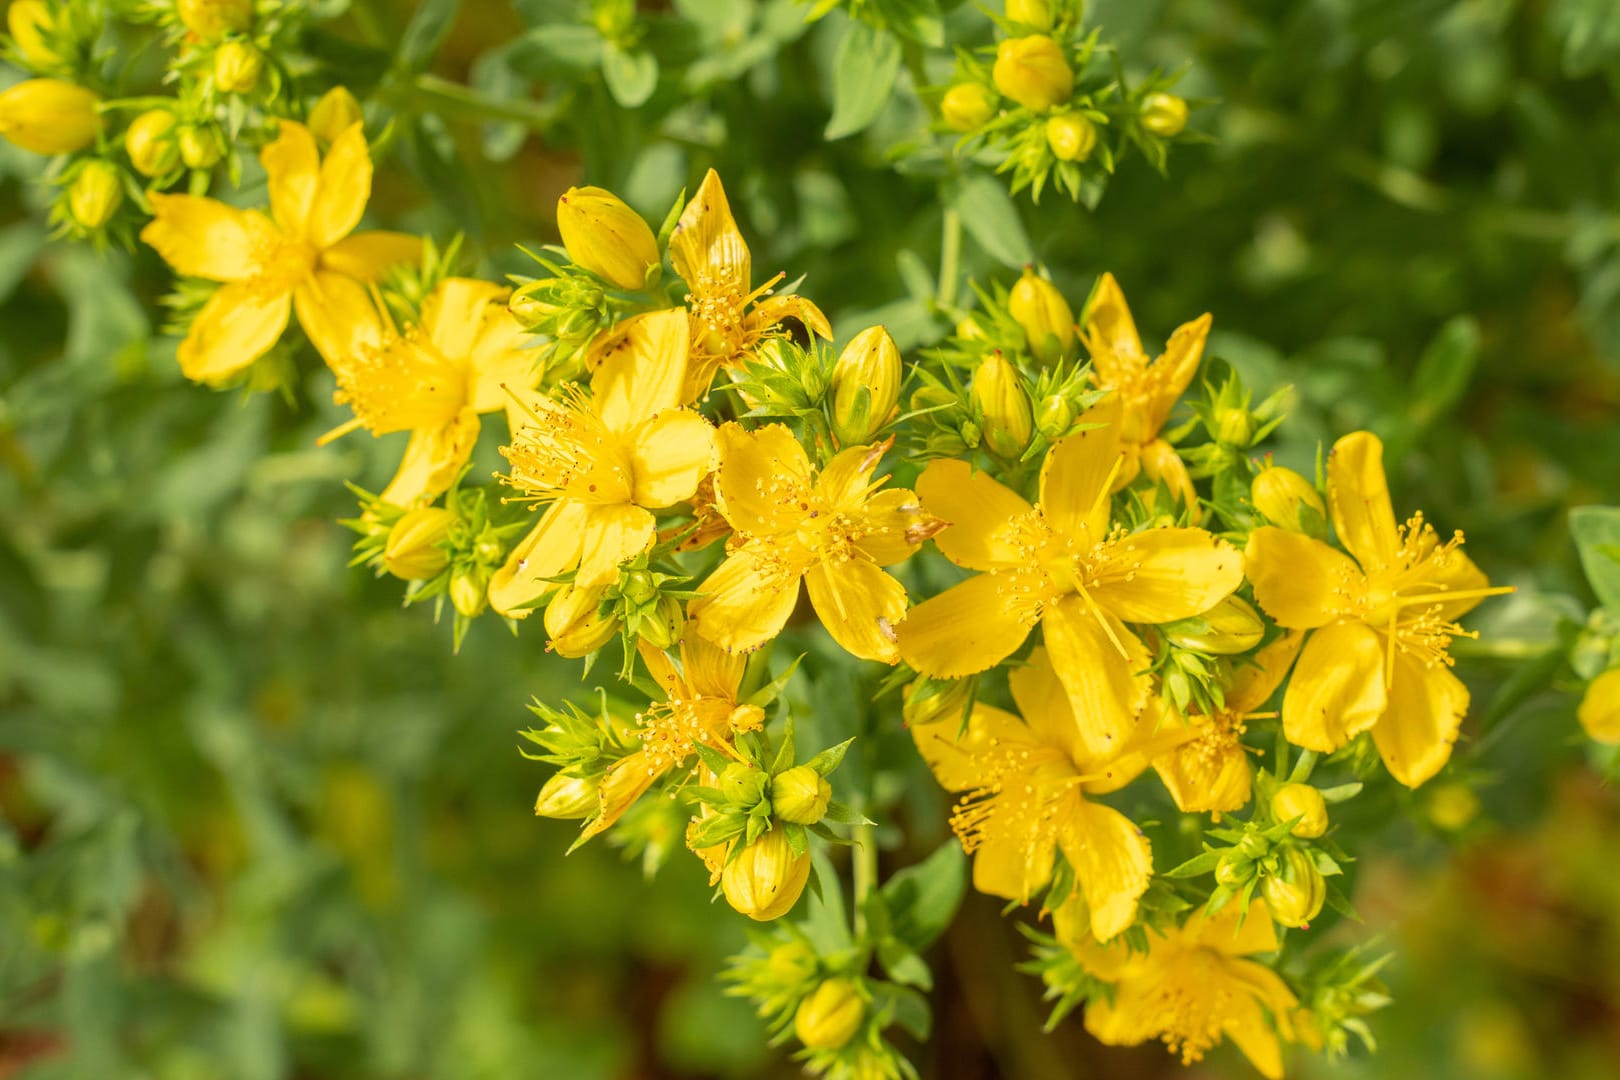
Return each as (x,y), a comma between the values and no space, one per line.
(258,822)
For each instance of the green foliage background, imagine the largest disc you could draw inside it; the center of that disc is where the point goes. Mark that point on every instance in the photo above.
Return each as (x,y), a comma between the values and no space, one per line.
(257,822)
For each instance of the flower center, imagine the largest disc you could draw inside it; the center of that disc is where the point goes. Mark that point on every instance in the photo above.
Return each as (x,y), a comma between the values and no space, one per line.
(566,451)
(406,385)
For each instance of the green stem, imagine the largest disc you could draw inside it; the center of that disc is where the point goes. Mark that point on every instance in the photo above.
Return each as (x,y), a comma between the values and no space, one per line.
(1511,649)
(865,867)
(950,256)
(429,93)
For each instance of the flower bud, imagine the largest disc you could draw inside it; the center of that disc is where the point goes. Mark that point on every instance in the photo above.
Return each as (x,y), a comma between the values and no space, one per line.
(1055,416)
(575,624)
(1035,14)
(830,1016)
(637,587)
(95,194)
(1164,115)
(30,24)
(1047,318)
(1230,627)
(997,391)
(791,963)
(662,627)
(606,237)
(968,106)
(415,549)
(237,65)
(741,783)
(1599,711)
(1452,806)
(765,879)
(1289,501)
(1234,427)
(1294,896)
(929,701)
(336,112)
(469,593)
(213,19)
(49,116)
(746,718)
(1033,72)
(1304,802)
(201,146)
(568,797)
(1234,869)
(969,329)
(1071,136)
(865,385)
(150,142)
(800,795)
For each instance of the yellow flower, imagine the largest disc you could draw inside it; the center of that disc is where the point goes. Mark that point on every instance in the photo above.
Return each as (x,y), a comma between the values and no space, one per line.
(1383,621)
(1024,784)
(1063,564)
(1149,388)
(699,706)
(1599,713)
(302,257)
(729,318)
(1192,988)
(49,116)
(604,461)
(465,358)
(836,531)
(333,114)
(606,237)
(1209,770)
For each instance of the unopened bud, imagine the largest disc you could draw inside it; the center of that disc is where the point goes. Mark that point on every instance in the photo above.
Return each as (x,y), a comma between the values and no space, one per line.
(201,146)
(1289,501)
(800,795)
(741,783)
(469,593)
(929,701)
(335,113)
(568,797)
(150,142)
(575,623)
(1304,802)
(1234,869)
(1055,416)
(1599,711)
(791,964)
(95,194)
(415,549)
(1046,318)
(746,718)
(865,385)
(1033,72)
(1035,14)
(1234,427)
(1071,136)
(1164,115)
(606,237)
(969,329)
(999,394)
(968,106)
(1295,894)
(662,627)
(765,879)
(830,1016)
(1230,627)
(49,116)
(213,19)
(237,65)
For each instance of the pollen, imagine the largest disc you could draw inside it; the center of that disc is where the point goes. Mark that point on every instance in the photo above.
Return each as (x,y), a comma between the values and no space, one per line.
(566,450)
(405,385)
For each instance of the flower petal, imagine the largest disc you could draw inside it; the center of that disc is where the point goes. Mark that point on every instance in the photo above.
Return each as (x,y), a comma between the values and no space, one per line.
(433,459)
(455,312)
(980,512)
(860,606)
(1426,709)
(338,316)
(711,671)
(891,524)
(504,362)
(204,238)
(1300,582)
(613,533)
(960,759)
(344,189)
(1255,680)
(669,453)
(1112,861)
(366,256)
(1044,704)
(773,309)
(1159,575)
(748,598)
(1107,688)
(641,370)
(292,165)
(237,325)
(1160,463)
(552,548)
(1358,499)
(1337,691)
(1207,773)
(1110,334)
(1078,474)
(1015,853)
(1231,932)
(1599,711)
(764,480)
(968,628)
(1173,371)
(706,248)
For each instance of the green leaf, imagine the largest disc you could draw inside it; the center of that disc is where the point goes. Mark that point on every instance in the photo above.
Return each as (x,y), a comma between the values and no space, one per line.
(1198,864)
(989,216)
(903,965)
(824,921)
(905,1007)
(864,71)
(1444,370)
(550,52)
(426,32)
(631,76)
(1596,530)
(922,899)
